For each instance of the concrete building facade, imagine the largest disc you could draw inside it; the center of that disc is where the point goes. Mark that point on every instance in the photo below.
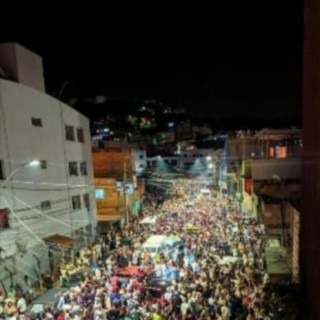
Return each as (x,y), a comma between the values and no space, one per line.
(49,206)
(57,195)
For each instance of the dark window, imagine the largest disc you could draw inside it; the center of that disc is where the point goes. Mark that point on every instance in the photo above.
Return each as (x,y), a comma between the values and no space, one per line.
(73,168)
(36,122)
(141,157)
(70,133)
(188,164)
(43,164)
(76,202)
(80,134)
(83,168)
(185,155)
(86,200)
(2,177)
(45,205)
(4,219)
(174,162)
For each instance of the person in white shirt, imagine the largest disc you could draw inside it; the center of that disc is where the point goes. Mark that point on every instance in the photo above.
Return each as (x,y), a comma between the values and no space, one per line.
(98,274)
(22,305)
(225,315)
(61,302)
(185,306)
(168,295)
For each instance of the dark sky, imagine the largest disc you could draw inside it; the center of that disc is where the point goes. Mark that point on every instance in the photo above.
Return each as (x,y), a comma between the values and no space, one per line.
(232,58)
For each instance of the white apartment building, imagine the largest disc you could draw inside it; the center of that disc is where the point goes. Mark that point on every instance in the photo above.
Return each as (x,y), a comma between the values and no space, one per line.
(46,179)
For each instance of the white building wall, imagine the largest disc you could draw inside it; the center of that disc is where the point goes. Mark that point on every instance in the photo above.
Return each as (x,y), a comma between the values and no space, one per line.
(23,65)
(190,156)
(21,142)
(140,160)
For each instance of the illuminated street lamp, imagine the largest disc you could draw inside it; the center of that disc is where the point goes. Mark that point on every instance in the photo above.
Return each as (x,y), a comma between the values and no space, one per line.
(210,166)
(208,158)
(32,163)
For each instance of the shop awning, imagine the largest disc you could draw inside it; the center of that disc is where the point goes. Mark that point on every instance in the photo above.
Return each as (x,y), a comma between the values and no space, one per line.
(60,240)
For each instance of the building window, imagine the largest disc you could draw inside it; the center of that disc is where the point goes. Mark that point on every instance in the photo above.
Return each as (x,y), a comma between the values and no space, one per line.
(76,202)
(70,133)
(141,157)
(86,200)
(188,164)
(100,194)
(80,135)
(2,177)
(83,168)
(73,168)
(36,122)
(43,164)
(4,219)
(45,205)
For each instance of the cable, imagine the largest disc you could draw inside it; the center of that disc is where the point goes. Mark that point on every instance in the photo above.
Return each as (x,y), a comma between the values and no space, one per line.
(44,215)
(40,240)
(57,201)
(71,186)
(23,271)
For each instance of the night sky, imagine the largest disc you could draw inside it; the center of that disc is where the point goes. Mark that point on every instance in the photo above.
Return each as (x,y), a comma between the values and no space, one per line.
(232,59)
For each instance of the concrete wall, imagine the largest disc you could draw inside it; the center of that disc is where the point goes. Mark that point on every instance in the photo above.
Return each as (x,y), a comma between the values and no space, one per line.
(265,169)
(23,65)
(271,215)
(241,148)
(8,60)
(140,160)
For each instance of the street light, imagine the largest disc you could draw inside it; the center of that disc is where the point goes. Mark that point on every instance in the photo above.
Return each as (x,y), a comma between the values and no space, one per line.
(210,166)
(32,163)
(208,158)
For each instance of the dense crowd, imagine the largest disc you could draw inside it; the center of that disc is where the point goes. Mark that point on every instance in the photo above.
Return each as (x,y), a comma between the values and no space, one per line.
(216,271)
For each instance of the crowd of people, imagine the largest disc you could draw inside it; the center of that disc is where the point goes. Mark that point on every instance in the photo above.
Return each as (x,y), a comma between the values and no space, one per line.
(216,271)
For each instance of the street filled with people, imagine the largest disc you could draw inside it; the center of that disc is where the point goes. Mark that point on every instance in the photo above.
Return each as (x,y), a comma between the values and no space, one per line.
(188,255)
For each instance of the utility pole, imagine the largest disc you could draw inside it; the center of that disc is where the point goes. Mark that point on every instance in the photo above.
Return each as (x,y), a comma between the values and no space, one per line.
(124,189)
